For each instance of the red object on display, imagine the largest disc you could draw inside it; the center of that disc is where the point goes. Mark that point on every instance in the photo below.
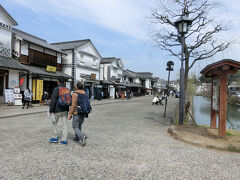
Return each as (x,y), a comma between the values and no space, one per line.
(21,81)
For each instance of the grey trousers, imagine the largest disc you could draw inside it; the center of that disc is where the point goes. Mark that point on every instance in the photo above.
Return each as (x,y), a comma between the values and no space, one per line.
(77,126)
(63,117)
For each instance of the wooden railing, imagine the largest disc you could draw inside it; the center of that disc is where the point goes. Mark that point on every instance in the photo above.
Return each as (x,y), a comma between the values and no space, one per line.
(24,59)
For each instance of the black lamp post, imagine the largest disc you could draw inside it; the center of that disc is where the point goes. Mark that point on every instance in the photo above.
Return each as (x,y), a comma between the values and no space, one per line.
(169,68)
(182,25)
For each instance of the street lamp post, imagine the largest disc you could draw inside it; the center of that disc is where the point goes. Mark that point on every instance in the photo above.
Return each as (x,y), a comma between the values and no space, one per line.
(182,25)
(169,68)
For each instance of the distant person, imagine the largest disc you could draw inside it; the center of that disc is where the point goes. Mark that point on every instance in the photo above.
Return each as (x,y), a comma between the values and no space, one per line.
(155,100)
(27,97)
(87,92)
(45,98)
(79,110)
(60,102)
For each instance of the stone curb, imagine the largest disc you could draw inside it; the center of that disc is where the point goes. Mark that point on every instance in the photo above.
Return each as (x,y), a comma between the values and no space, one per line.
(172,131)
(104,103)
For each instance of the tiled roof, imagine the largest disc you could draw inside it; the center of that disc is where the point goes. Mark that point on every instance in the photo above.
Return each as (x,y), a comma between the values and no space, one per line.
(128,74)
(107,60)
(42,71)
(70,44)
(35,40)
(8,16)
(10,63)
(145,75)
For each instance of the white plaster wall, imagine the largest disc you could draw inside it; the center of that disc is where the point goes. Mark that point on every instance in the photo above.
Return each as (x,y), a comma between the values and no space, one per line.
(59,58)
(68,58)
(85,71)
(30,82)
(35,47)
(137,80)
(3,19)
(147,83)
(16,45)
(113,72)
(85,59)
(101,71)
(48,51)
(24,48)
(67,70)
(5,38)
(89,49)
(13,78)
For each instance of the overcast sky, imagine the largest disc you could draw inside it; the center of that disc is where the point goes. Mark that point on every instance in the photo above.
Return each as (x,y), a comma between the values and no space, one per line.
(118,28)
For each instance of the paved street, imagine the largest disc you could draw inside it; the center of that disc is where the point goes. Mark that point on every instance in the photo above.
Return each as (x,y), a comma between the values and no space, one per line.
(127,140)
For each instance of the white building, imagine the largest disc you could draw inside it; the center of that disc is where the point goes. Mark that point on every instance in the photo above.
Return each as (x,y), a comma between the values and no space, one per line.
(9,68)
(27,59)
(82,63)
(111,70)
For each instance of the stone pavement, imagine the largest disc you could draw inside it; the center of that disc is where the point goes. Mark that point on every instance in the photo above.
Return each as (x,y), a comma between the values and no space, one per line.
(126,141)
(11,111)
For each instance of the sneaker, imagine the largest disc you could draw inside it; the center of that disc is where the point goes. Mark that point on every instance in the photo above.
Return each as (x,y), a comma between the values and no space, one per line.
(53,140)
(75,139)
(63,142)
(83,141)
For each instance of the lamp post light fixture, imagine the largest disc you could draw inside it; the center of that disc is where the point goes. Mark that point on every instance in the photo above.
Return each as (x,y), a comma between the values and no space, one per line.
(169,68)
(182,24)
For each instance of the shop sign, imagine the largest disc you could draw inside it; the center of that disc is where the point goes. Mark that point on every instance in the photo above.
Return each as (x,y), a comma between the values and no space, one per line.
(93,76)
(51,69)
(9,95)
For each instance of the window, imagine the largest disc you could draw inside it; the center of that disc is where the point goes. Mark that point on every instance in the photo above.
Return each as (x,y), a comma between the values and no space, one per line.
(131,80)
(42,59)
(94,62)
(81,58)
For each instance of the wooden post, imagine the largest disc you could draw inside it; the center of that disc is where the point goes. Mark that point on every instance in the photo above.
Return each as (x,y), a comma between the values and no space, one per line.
(222,104)
(213,112)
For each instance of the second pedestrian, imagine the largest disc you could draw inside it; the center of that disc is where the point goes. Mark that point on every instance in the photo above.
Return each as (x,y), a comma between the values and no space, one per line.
(79,109)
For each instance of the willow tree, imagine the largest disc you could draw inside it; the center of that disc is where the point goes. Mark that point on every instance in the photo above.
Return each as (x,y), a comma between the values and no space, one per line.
(201,42)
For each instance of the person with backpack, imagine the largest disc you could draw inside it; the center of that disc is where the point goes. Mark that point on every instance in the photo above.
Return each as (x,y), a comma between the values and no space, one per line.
(79,109)
(60,102)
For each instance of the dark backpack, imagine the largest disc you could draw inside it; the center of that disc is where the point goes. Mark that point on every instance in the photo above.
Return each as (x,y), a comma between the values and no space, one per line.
(64,98)
(84,107)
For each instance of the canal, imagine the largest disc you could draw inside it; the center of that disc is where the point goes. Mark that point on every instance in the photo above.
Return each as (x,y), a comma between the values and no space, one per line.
(201,108)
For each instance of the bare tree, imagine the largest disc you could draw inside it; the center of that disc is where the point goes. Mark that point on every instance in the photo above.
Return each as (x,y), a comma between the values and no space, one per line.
(202,40)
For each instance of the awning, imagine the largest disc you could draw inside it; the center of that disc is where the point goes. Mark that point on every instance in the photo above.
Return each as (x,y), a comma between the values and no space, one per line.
(134,85)
(106,82)
(118,84)
(9,63)
(41,71)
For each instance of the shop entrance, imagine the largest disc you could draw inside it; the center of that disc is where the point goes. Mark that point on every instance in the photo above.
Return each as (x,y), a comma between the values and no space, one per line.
(49,86)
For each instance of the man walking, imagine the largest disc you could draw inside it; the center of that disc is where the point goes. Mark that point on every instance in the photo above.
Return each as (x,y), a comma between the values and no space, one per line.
(60,102)
(79,109)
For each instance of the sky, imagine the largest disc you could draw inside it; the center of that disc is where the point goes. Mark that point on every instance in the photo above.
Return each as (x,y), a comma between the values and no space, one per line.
(117,28)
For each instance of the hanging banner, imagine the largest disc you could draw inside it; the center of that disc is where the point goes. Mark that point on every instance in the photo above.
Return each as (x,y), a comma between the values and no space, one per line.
(21,81)
(39,92)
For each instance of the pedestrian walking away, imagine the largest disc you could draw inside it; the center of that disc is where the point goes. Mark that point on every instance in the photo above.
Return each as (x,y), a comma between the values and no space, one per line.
(79,110)
(27,97)
(60,102)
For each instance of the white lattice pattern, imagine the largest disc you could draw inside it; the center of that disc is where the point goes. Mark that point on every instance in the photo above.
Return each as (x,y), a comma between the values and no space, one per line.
(5,52)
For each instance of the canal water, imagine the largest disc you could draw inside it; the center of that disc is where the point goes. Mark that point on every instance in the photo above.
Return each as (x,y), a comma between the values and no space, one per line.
(201,107)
